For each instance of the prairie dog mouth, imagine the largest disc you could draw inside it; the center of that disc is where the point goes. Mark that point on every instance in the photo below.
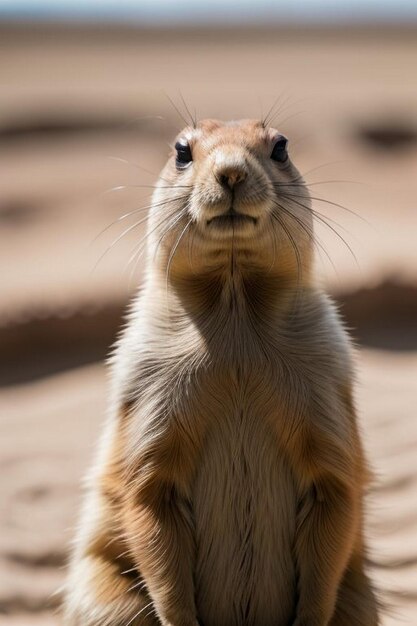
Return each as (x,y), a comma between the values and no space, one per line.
(231,218)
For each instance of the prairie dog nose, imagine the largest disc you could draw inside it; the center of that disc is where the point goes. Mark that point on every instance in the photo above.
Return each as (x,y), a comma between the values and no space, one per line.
(230,170)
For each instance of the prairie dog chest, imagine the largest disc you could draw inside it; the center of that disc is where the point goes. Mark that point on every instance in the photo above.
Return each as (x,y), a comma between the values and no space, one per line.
(242,460)
(244,506)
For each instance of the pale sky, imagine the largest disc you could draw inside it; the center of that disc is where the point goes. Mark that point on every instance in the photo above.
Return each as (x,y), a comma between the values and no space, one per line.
(222,11)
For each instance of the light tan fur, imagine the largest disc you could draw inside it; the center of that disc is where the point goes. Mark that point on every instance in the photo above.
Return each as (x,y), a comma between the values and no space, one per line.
(229,486)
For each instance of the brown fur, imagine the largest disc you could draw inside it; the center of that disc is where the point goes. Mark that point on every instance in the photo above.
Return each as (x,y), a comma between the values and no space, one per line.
(229,487)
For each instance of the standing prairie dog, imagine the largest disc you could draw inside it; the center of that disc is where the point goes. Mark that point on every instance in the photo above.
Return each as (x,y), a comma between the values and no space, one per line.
(228,490)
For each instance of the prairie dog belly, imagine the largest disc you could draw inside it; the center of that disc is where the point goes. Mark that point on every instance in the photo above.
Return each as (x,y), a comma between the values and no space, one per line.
(244,507)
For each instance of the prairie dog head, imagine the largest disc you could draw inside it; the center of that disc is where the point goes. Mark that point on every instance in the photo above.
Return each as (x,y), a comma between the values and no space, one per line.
(229,195)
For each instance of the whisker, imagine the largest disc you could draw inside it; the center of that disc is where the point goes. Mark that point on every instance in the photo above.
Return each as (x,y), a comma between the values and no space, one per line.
(310,233)
(293,244)
(275,120)
(324,222)
(302,175)
(137,166)
(186,122)
(344,208)
(139,250)
(333,221)
(140,118)
(173,251)
(342,239)
(124,187)
(328,182)
(330,202)
(193,119)
(265,119)
(282,103)
(178,219)
(111,246)
(156,205)
(262,118)
(289,117)
(298,257)
(141,246)
(131,164)
(123,234)
(290,197)
(316,182)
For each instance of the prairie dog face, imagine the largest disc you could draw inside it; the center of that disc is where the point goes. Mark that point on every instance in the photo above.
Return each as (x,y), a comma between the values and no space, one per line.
(230,188)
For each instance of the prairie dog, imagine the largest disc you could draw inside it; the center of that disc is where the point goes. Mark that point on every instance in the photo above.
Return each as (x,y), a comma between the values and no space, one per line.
(228,489)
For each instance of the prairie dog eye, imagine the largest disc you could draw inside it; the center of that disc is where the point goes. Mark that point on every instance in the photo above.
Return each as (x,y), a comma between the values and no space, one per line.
(184,156)
(279,151)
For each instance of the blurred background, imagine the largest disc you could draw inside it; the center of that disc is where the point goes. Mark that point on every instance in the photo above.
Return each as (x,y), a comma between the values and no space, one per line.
(88,99)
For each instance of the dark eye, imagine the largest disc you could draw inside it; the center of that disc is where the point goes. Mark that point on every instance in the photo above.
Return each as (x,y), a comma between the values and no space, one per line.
(279,151)
(184,156)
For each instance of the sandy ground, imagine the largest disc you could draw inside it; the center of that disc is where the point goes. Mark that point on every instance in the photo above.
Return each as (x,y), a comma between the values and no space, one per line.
(71,104)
